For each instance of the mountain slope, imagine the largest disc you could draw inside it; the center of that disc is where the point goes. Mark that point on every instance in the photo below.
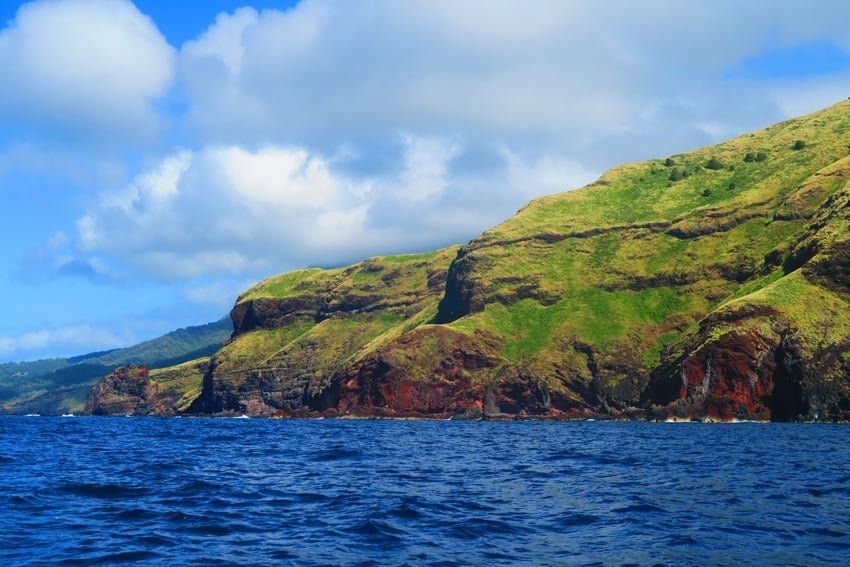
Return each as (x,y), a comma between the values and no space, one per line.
(61,385)
(712,284)
(616,278)
(134,390)
(295,332)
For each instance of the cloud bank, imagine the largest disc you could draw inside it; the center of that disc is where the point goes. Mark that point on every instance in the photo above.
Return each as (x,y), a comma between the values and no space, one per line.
(333,131)
(85,69)
(227,210)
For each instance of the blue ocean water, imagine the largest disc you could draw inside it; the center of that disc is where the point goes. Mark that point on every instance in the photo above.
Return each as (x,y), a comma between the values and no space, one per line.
(147,491)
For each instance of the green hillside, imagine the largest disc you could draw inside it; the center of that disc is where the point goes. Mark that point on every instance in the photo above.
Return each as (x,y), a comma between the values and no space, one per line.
(635,260)
(712,284)
(296,331)
(134,390)
(706,284)
(61,385)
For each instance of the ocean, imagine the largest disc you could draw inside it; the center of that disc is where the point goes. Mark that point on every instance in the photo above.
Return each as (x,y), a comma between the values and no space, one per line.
(149,491)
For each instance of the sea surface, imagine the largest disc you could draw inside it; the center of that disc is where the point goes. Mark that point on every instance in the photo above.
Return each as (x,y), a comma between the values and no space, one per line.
(148,491)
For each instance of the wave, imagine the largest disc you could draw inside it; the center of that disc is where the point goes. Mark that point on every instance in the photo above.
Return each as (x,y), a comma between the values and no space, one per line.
(394,492)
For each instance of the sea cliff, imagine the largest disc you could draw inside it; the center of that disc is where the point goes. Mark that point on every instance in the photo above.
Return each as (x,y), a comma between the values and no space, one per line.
(707,285)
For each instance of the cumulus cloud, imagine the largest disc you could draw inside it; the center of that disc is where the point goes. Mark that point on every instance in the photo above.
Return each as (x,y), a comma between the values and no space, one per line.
(89,67)
(555,73)
(229,210)
(332,131)
(220,209)
(386,127)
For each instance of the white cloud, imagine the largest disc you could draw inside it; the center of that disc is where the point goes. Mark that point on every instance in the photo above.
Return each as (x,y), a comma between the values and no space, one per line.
(499,102)
(62,339)
(332,131)
(425,168)
(564,74)
(547,174)
(221,210)
(277,177)
(222,42)
(90,67)
(230,210)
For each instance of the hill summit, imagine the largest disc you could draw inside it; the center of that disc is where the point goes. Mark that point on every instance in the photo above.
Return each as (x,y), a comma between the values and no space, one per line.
(712,284)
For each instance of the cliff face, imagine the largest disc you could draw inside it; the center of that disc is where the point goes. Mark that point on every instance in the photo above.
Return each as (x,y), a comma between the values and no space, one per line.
(712,284)
(133,390)
(781,351)
(428,372)
(120,392)
(296,332)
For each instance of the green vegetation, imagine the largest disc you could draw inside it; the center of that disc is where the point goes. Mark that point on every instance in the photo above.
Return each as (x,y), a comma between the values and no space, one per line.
(61,385)
(583,293)
(365,276)
(820,318)
(756,157)
(334,317)
(182,383)
(714,164)
(588,290)
(687,246)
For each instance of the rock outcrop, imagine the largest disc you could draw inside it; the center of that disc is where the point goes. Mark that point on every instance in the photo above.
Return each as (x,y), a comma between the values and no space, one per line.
(121,392)
(429,372)
(134,390)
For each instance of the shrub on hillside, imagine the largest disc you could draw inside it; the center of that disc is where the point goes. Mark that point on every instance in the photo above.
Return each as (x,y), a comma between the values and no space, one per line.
(714,164)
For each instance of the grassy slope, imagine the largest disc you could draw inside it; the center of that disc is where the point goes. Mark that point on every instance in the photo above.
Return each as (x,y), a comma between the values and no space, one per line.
(182,382)
(61,385)
(617,271)
(637,289)
(361,308)
(596,285)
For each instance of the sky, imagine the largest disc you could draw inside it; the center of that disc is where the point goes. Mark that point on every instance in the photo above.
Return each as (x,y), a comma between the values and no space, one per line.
(159,157)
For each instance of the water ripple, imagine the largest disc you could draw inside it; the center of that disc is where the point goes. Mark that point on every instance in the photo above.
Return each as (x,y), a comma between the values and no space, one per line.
(334,492)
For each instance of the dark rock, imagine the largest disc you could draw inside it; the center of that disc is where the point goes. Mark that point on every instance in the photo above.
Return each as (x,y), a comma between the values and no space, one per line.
(431,371)
(121,392)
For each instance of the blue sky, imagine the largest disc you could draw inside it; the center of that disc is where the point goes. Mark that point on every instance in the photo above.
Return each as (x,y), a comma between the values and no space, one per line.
(156,157)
